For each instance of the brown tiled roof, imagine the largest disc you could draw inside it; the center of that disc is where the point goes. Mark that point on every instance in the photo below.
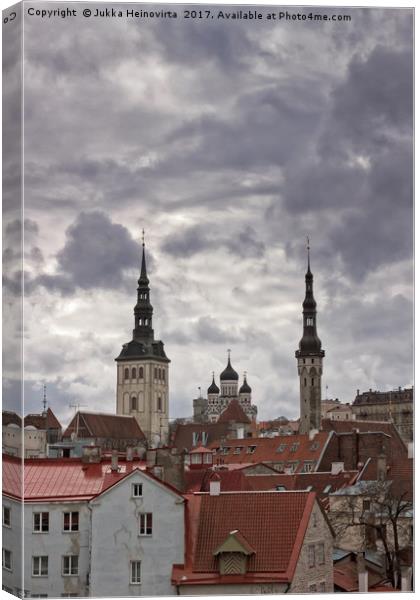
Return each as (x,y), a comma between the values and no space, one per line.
(184,434)
(43,421)
(273,524)
(367,426)
(302,481)
(233,412)
(9,417)
(400,472)
(283,448)
(230,481)
(98,425)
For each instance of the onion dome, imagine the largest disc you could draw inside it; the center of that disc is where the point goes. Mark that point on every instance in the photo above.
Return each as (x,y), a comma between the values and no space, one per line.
(213,389)
(245,389)
(229,374)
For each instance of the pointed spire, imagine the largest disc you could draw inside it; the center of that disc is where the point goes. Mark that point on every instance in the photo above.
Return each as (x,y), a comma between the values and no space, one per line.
(44,398)
(308,248)
(143,274)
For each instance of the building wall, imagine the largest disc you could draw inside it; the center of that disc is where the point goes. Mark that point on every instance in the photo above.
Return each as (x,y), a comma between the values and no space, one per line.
(310,374)
(153,422)
(12,540)
(55,544)
(318,532)
(34,440)
(116,540)
(226,590)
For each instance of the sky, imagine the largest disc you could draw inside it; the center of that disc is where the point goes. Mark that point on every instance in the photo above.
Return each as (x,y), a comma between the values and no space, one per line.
(229,142)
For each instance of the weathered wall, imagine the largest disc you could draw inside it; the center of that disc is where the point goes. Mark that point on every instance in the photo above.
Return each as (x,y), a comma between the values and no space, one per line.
(12,540)
(226,590)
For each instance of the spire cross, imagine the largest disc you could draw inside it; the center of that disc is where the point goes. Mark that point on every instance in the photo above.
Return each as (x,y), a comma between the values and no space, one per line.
(142,237)
(244,374)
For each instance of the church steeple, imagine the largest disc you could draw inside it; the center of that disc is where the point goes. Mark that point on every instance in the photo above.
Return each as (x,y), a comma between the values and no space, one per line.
(310,342)
(143,311)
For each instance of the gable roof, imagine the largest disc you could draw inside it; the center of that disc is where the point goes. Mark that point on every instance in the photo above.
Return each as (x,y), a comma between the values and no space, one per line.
(10,417)
(46,420)
(385,427)
(102,425)
(234,412)
(318,482)
(272,523)
(199,480)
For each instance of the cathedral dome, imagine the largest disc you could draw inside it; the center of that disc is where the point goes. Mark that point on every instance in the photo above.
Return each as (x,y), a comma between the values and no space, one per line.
(213,389)
(245,389)
(229,374)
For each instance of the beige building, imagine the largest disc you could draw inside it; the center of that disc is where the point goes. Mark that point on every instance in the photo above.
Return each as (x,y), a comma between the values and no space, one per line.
(143,371)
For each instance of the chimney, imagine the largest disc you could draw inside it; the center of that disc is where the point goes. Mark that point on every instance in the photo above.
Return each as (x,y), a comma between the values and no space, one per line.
(129,454)
(114,461)
(91,454)
(362,573)
(337,467)
(312,434)
(215,485)
(406,573)
(410,448)
(381,467)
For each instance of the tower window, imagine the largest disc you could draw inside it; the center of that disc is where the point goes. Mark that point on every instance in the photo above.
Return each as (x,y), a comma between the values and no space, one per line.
(309,321)
(163,374)
(312,361)
(126,373)
(133,373)
(141,373)
(312,381)
(304,382)
(133,403)
(156,373)
(159,403)
(160,373)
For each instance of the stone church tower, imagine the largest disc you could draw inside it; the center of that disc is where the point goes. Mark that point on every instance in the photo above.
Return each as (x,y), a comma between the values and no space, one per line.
(309,357)
(143,371)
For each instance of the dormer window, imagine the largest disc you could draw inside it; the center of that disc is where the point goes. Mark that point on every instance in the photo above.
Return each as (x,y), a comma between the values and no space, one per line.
(233,554)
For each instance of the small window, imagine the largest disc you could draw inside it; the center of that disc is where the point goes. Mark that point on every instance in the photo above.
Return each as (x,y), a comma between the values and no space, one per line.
(238,449)
(294,447)
(251,449)
(39,566)
(281,448)
(7,559)
(133,403)
(322,587)
(280,488)
(7,516)
(196,459)
(71,565)
(321,554)
(145,523)
(141,373)
(311,555)
(137,489)
(159,402)
(160,373)
(126,373)
(71,521)
(327,489)
(312,381)
(133,373)
(312,360)
(307,467)
(366,504)
(304,381)
(41,522)
(208,458)
(156,373)
(135,572)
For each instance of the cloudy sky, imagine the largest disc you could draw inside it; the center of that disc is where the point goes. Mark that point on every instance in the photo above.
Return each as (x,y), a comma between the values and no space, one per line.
(229,142)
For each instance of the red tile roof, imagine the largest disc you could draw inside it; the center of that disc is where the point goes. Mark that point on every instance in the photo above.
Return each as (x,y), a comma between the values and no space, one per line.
(400,472)
(183,438)
(199,480)
(367,426)
(65,479)
(283,448)
(100,425)
(273,524)
(234,412)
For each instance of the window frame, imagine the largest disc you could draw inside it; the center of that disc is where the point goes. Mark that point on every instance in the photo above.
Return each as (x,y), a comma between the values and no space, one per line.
(134,564)
(71,513)
(41,522)
(321,553)
(3,559)
(311,556)
(133,487)
(9,510)
(70,558)
(39,558)
(144,525)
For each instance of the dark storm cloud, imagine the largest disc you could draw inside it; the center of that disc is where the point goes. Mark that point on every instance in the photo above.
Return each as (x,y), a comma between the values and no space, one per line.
(96,254)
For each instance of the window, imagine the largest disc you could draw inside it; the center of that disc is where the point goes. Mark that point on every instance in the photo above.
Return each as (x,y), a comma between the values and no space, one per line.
(135,572)
(251,449)
(304,381)
(314,446)
(163,374)
(312,588)
(133,373)
(312,381)
(322,587)
(71,564)
(156,375)
(159,373)
(280,488)
(71,521)
(127,373)
(159,403)
(321,554)
(7,559)
(141,373)
(39,566)
(294,446)
(133,403)
(41,523)
(238,449)
(7,516)
(307,467)
(366,504)
(196,459)
(208,458)
(137,490)
(311,555)
(309,321)
(145,523)
(327,489)
(281,448)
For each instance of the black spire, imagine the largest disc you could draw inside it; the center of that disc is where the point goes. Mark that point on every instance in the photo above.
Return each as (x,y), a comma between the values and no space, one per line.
(310,342)
(213,389)
(229,374)
(143,310)
(245,388)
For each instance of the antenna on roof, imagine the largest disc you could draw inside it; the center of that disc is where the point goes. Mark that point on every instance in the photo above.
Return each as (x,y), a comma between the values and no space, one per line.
(77,415)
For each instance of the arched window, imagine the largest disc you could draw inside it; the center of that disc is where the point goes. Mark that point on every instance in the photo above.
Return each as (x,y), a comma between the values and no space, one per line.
(163,374)
(141,373)
(304,382)
(126,373)
(159,403)
(156,373)
(133,373)
(133,403)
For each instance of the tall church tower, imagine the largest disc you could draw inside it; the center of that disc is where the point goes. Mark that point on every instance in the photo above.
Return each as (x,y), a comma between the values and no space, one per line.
(309,357)
(143,370)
